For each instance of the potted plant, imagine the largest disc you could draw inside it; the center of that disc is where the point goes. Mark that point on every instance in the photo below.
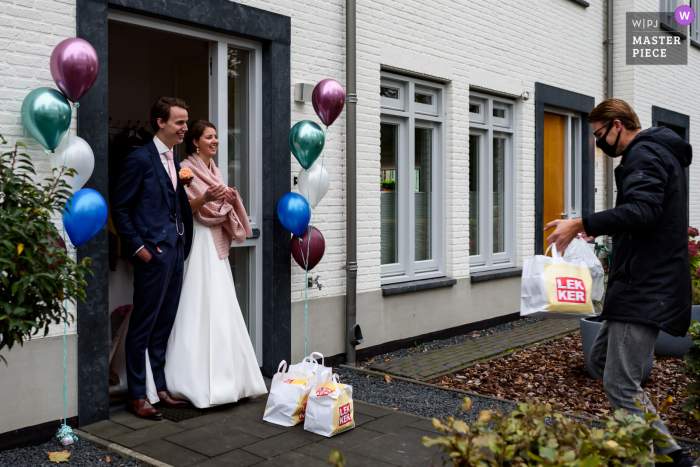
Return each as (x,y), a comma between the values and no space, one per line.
(668,345)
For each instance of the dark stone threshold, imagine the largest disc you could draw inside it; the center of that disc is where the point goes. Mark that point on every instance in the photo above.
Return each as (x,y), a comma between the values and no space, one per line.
(415,286)
(369,352)
(33,435)
(672,30)
(582,3)
(256,233)
(695,43)
(497,274)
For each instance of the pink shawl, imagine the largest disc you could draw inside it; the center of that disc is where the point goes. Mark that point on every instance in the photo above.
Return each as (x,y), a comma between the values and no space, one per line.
(226,221)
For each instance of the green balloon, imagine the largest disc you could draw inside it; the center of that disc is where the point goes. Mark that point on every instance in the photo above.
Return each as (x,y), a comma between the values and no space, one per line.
(306,140)
(46,115)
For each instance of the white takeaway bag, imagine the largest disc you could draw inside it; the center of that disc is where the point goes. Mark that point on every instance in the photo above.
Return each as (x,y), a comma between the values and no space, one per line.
(311,368)
(329,410)
(553,287)
(286,403)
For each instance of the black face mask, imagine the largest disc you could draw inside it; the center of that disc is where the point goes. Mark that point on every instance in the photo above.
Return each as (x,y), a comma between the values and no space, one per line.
(607,148)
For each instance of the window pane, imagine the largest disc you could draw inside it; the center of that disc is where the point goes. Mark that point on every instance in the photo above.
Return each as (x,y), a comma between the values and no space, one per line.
(426,99)
(389,194)
(499,113)
(238,170)
(239,259)
(573,164)
(474,194)
(391,93)
(474,108)
(499,191)
(423,193)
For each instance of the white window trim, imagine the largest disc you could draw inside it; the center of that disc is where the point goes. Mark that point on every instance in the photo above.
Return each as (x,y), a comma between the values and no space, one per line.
(421,116)
(568,128)
(489,127)
(218,114)
(695,25)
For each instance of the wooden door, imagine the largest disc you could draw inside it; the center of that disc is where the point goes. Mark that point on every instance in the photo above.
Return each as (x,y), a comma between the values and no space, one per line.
(554,133)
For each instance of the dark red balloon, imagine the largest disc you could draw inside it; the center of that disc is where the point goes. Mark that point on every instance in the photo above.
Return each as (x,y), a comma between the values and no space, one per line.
(313,251)
(328,100)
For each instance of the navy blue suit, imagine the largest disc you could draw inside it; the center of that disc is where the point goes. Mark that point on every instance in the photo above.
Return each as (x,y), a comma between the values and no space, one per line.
(148,212)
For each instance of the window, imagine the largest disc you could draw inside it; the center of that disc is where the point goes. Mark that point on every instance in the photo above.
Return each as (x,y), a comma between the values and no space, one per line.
(695,25)
(667,9)
(412,196)
(491,183)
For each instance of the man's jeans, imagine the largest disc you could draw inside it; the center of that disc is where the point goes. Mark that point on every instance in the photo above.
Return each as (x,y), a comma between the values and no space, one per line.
(617,359)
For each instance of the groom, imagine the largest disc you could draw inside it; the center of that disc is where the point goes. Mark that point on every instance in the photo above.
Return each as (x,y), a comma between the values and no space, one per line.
(152,215)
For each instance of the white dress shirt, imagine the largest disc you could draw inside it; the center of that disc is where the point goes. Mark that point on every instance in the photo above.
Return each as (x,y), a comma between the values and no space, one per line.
(162,149)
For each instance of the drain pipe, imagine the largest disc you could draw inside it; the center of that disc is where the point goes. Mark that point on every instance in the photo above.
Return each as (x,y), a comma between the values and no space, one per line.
(609,178)
(353,336)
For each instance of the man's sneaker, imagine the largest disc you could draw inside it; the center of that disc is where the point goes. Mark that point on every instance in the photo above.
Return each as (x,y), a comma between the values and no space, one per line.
(679,459)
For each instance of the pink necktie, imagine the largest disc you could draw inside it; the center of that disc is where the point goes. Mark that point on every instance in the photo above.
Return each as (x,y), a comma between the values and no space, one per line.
(171,168)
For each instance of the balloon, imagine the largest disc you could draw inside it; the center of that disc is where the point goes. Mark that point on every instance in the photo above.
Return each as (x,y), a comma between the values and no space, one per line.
(306,140)
(314,183)
(46,116)
(328,100)
(294,213)
(88,214)
(76,154)
(313,252)
(74,67)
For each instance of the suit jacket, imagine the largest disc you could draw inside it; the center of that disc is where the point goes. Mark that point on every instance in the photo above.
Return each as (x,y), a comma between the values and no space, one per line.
(143,212)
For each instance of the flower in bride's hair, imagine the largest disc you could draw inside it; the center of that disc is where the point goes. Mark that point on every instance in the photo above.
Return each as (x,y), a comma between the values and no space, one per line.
(186,176)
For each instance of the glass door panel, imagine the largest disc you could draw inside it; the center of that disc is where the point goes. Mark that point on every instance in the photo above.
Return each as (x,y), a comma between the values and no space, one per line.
(238,121)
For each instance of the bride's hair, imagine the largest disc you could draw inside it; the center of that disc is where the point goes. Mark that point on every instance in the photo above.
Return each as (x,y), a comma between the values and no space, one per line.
(194,133)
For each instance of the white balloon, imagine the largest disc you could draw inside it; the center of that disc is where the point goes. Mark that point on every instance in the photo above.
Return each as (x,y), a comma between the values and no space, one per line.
(75,154)
(314,183)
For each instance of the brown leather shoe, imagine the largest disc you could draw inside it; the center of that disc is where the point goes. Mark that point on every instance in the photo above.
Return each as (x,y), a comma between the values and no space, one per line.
(170,401)
(142,408)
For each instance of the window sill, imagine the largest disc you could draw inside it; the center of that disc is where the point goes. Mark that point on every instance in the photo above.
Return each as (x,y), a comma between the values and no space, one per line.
(673,31)
(415,286)
(496,274)
(695,43)
(582,3)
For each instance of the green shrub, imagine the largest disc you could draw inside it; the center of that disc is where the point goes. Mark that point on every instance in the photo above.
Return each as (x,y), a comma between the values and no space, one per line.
(694,254)
(37,276)
(692,368)
(523,439)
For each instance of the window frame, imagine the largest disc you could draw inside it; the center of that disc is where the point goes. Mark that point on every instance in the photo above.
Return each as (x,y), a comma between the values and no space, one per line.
(695,25)
(409,115)
(488,128)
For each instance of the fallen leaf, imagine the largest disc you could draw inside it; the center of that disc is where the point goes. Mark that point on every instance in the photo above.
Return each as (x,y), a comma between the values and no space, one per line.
(20,248)
(387,378)
(59,456)
(107,459)
(395,408)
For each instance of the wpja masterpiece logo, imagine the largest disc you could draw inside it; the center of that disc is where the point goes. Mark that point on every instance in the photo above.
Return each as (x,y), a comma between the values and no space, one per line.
(658,38)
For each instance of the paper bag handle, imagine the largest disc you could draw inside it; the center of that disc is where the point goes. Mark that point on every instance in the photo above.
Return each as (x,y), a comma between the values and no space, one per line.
(282,363)
(323,360)
(555,253)
(336,381)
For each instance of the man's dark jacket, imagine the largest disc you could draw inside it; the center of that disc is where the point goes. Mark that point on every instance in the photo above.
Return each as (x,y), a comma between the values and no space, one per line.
(649,279)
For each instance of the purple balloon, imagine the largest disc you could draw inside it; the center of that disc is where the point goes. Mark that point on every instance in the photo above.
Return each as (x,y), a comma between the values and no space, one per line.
(328,100)
(312,253)
(74,67)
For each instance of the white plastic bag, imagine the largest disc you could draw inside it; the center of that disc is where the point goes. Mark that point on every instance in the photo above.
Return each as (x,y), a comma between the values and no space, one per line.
(581,250)
(553,287)
(329,410)
(289,391)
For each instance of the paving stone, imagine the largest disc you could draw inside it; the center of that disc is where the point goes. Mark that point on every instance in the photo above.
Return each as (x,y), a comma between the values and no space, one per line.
(424,425)
(299,431)
(132,421)
(294,459)
(203,420)
(351,439)
(360,418)
(171,454)
(253,410)
(262,430)
(272,447)
(145,435)
(401,449)
(389,423)
(323,451)
(370,410)
(212,440)
(237,458)
(106,429)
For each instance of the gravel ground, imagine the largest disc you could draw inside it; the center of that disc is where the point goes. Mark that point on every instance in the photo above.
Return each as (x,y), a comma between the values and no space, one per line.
(439,344)
(82,454)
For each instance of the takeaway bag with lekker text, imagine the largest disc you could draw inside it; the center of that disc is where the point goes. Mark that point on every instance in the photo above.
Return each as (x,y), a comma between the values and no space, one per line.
(329,410)
(286,403)
(553,287)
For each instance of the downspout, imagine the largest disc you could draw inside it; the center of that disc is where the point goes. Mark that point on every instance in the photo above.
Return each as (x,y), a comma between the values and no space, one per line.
(609,178)
(352,331)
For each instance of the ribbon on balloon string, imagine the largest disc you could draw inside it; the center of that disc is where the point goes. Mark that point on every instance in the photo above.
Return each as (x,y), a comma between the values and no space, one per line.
(310,229)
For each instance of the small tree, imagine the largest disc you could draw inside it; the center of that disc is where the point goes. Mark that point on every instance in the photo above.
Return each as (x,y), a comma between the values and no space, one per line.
(693,247)
(37,277)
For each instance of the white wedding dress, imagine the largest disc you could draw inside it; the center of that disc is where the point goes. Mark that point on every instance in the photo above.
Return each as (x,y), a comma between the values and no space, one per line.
(210,359)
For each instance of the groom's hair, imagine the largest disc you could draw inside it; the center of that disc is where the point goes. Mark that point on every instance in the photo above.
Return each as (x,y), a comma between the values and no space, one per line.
(161,109)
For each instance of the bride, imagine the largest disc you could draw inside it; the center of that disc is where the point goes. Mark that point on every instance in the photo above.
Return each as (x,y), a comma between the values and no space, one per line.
(210,358)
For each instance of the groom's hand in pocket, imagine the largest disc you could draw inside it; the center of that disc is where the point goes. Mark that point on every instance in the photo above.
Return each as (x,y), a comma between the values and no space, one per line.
(145,255)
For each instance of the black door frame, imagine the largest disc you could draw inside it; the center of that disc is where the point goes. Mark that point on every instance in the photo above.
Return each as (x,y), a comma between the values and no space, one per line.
(550,95)
(273,31)
(659,116)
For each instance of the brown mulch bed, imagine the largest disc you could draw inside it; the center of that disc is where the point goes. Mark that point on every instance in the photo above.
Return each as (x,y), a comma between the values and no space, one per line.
(555,372)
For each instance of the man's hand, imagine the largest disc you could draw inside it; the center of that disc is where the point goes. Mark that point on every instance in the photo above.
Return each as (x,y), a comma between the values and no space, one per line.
(565,231)
(216,192)
(145,255)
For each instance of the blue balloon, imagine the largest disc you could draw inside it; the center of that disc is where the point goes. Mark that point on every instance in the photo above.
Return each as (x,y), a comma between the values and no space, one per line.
(294,213)
(88,214)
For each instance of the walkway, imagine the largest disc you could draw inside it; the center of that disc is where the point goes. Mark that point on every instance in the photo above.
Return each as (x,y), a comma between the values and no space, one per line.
(435,363)
(237,436)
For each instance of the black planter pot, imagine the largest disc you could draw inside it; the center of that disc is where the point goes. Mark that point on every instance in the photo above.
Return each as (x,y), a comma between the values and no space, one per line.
(589,331)
(669,346)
